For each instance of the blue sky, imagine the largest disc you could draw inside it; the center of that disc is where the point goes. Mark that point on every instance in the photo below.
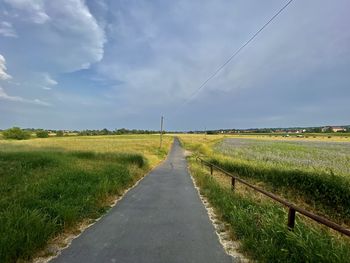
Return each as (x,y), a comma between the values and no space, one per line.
(93,64)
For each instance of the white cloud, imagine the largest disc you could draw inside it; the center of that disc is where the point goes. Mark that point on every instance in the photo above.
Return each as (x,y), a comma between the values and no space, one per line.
(169,54)
(64,35)
(7,30)
(46,88)
(48,82)
(79,39)
(40,102)
(30,10)
(5,96)
(3,74)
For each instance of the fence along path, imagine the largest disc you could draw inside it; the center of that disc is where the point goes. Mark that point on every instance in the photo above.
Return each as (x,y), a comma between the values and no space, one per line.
(292,207)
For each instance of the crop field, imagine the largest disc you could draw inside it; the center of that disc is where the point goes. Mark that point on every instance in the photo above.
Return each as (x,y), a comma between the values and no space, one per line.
(48,186)
(314,155)
(142,144)
(319,171)
(313,173)
(322,157)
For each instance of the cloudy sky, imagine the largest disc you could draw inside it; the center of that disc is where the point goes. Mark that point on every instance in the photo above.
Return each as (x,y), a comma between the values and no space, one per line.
(74,64)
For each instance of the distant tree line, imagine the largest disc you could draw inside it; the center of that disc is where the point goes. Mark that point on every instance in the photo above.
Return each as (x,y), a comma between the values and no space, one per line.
(115,132)
(22,134)
(17,133)
(326,129)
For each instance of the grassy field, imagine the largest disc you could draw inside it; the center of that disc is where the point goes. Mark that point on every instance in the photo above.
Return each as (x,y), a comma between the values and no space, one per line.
(309,172)
(142,144)
(50,185)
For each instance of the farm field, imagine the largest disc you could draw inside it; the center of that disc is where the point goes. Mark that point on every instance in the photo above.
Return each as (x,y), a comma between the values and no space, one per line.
(49,186)
(308,171)
(312,173)
(317,156)
(143,144)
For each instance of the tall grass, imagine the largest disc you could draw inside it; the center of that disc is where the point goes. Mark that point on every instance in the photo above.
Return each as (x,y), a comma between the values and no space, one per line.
(261,227)
(327,191)
(43,193)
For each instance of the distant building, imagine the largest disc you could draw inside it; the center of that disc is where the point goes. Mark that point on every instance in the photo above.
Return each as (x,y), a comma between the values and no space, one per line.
(295,131)
(338,129)
(333,129)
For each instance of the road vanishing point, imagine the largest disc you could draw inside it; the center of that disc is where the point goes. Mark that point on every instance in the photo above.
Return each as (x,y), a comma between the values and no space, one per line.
(162,219)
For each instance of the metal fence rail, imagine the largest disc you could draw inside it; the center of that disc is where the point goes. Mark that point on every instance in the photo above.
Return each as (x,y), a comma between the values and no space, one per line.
(292,207)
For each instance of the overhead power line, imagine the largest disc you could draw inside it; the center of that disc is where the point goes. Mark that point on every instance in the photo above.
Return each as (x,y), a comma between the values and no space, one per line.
(236,53)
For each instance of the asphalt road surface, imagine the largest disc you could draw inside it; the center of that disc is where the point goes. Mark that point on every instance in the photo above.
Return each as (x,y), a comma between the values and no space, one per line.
(162,219)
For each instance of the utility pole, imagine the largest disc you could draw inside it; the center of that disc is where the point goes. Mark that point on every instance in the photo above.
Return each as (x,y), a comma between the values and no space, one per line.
(161,131)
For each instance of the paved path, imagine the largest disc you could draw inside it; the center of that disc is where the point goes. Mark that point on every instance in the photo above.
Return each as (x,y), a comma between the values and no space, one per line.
(160,220)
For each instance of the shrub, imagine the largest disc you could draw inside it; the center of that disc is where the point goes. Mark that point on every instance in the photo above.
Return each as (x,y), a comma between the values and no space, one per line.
(16,133)
(42,134)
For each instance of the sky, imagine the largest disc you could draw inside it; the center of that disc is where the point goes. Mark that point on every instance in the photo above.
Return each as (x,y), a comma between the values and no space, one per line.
(74,64)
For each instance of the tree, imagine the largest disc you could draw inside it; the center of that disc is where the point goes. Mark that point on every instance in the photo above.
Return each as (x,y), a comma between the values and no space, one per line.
(42,134)
(59,134)
(315,129)
(105,131)
(16,133)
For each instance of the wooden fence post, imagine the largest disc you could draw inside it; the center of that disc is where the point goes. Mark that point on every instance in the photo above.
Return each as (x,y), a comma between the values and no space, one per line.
(233,182)
(291,218)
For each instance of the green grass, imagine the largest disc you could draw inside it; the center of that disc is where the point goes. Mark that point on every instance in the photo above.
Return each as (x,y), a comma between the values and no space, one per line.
(326,192)
(260,226)
(43,193)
